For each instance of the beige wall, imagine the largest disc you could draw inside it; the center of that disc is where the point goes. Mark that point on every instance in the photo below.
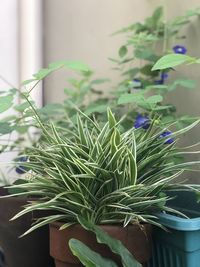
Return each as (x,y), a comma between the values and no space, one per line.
(81,29)
(188,102)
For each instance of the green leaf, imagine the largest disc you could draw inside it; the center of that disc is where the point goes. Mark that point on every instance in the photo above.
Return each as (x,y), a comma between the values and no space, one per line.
(74,65)
(123,51)
(115,245)
(154,99)
(132,169)
(41,74)
(193,12)
(146,70)
(186,83)
(159,108)
(111,118)
(190,84)
(5,102)
(157,15)
(171,60)
(129,98)
(100,81)
(52,109)
(21,129)
(113,143)
(21,107)
(88,257)
(81,131)
(157,87)
(153,22)
(113,60)
(77,65)
(17,182)
(56,65)
(145,105)
(70,92)
(126,60)
(28,81)
(96,108)
(144,54)
(5,128)
(140,100)
(132,72)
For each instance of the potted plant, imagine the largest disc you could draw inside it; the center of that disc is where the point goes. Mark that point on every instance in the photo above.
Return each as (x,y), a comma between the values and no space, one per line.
(22,252)
(150,81)
(108,176)
(20,132)
(19,252)
(88,256)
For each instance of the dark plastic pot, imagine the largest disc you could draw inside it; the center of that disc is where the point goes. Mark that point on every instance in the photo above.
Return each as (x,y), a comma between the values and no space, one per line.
(137,241)
(29,251)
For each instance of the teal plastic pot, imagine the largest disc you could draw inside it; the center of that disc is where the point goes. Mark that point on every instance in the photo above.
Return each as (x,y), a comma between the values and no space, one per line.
(180,246)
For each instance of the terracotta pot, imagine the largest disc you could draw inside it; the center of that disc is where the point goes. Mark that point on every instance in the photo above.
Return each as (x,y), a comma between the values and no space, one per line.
(29,251)
(137,241)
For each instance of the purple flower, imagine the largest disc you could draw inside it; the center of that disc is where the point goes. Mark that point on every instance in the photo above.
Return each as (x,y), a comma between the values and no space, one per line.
(142,122)
(168,140)
(179,49)
(164,76)
(162,79)
(21,169)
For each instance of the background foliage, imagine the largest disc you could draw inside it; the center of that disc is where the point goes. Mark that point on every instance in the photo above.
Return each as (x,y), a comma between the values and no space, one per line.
(141,90)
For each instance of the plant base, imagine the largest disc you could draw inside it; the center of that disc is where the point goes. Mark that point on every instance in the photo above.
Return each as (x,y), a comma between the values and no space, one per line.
(65,264)
(136,239)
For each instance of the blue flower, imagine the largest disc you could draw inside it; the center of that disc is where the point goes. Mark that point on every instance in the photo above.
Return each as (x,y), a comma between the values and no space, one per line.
(163,78)
(142,122)
(137,83)
(168,140)
(137,80)
(179,49)
(21,169)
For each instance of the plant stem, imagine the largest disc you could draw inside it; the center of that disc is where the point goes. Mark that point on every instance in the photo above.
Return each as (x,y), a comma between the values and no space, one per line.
(164,3)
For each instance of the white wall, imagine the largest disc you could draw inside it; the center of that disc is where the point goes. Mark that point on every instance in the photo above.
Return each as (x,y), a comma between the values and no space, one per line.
(9,59)
(20,54)
(30,43)
(9,42)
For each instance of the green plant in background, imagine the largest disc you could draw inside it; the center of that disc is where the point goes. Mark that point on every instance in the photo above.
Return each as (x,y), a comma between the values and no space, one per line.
(142,86)
(141,91)
(20,131)
(171,60)
(94,168)
(78,97)
(102,173)
(82,93)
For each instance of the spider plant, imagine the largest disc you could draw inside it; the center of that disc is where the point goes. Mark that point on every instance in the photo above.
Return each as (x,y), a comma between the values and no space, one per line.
(102,173)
